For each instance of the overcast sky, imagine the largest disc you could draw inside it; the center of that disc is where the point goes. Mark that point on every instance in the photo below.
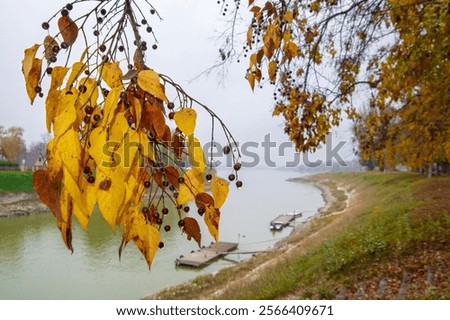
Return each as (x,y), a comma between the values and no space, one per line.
(186,47)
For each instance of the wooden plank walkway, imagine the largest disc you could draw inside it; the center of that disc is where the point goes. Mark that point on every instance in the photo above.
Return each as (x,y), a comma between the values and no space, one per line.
(283,221)
(206,254)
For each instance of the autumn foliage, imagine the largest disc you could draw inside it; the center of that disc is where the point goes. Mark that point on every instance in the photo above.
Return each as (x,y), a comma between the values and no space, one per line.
(119,137)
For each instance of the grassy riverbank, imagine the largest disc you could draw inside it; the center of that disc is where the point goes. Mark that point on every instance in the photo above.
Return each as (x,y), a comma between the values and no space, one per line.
(16,181)
(381,236)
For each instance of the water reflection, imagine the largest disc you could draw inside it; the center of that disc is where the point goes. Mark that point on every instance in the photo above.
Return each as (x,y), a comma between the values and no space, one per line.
(34,263)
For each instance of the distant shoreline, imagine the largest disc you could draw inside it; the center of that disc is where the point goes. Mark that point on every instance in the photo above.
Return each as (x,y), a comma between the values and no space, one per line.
(20,204)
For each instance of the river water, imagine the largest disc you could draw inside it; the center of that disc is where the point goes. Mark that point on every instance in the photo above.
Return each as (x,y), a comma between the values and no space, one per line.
(34,263)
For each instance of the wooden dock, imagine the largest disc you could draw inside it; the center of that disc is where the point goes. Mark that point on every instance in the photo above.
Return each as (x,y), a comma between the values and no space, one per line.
(207,254)
(283,221)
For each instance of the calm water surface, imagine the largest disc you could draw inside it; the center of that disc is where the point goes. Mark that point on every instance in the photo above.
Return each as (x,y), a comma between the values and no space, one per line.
(34,263)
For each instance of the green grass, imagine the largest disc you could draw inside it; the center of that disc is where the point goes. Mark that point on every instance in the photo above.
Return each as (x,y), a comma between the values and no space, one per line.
(15,181)
(401,222)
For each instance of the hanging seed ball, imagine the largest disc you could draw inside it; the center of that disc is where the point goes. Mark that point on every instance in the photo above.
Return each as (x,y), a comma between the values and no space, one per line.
(171,105)
(96,33)
(103,11)
(237,166)
(167,228)
(64,12)
(144,21)
(97,118)
(82,89)
(155,46)
(87,119)
(87,170)
(145,210)
(165,211)
(181,180)
(152,11)
(201,211)
(53,59)
(226,149)
(149,29)
(181,223)
(147,184)
(231,177)
(239,184)
(45,25)
(49,70)
(69,6)
(165,184)
(37,89)
(186,209)
(91,179)
(64,45)
(209,177)
(159,221)
(161,245)
(89,110)
(171,115)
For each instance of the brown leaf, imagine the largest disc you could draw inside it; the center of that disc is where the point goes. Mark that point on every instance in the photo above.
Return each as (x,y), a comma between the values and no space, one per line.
(192,230)
(172,176)
(49,44)
(153,119)
(177,144)
(202,200)
(49,190)
(68,29)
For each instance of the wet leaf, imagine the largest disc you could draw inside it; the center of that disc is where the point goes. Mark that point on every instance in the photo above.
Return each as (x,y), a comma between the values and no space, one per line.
(111,202)
(68,29)
(65,225)
(196,154)
(212,219)
(172,175)
(49,190)
(193,184)
(77,70)
(203,199)
(192,230)
(272,70)
(54,95)
(219,189)
(49,44)
(177,144)
(145,236)
(185,120)
(149,81)
(112,74)
(66,114)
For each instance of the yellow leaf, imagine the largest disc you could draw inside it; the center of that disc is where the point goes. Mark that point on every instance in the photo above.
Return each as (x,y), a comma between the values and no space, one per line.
(149,81)
(54,95)
(251,80)
(196,154)
(145,236)
(111,103)
(65,226)
(27,62)
(219,189)
(77,69)
(66,115)
(147,148)
(97,149)
(33,78)
(289,16)
(89,94)
(253,60)
(273,70)
(185,120)
(193,184)
(112,74)
(110,201)
(69,150)
(84,206)
(212,219)
(249,36)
